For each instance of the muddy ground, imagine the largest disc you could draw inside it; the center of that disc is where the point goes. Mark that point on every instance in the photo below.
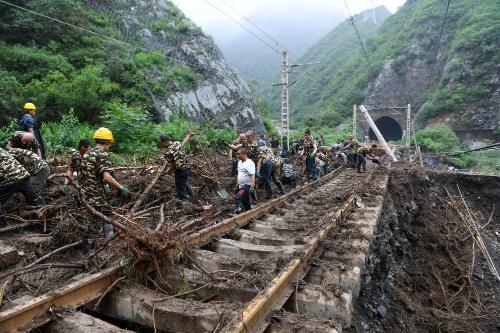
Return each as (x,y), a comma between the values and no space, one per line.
(424,275)
(64,220)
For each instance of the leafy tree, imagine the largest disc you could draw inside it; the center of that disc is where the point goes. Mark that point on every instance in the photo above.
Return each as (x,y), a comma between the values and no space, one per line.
(438,138)
(10,103)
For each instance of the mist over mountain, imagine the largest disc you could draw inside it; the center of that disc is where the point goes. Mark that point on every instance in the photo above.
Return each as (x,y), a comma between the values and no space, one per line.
(333,50)
(296,27)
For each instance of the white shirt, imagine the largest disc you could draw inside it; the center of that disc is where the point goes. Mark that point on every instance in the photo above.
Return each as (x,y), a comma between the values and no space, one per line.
(245,171)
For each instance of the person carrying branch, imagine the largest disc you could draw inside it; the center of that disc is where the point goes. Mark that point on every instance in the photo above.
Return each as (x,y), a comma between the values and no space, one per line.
(96,172)
(14,178)
(365,152)
(177,157)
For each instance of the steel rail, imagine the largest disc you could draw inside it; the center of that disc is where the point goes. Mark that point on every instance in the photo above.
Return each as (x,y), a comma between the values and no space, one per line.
(253,318)
(204,236)
(34,313)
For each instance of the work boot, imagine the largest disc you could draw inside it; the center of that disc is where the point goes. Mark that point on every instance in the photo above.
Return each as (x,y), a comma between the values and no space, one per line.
(269,195)
(280,188)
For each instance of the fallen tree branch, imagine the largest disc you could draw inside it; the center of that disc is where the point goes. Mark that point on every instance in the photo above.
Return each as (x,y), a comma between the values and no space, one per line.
(56,251)
(162,218)
(148,189)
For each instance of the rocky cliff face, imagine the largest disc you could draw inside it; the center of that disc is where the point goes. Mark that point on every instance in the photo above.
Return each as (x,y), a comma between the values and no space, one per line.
(219,94)
(462,87)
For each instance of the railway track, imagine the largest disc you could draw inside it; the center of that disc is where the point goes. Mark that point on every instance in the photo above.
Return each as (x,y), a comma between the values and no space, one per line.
(241,272)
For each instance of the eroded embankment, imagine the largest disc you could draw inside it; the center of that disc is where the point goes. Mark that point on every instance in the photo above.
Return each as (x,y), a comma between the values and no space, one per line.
(424,274)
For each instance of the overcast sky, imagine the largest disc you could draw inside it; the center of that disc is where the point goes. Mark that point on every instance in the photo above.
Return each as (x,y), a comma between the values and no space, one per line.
(217,24)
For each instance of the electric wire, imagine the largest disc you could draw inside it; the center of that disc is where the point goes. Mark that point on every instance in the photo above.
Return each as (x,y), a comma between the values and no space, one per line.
(440,37)
(243,27)
(260,29)
(121,42)
(358,35)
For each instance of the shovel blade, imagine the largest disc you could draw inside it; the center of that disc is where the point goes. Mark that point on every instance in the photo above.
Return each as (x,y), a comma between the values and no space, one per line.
(223,194)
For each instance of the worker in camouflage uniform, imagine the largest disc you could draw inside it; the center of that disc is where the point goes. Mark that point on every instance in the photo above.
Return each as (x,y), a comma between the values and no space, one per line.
(23,140)
(14,178)
(37,168)
(321,165)
(233,153)
(96,172)
(288,174)
(351,147)
(75,161)
(365,152)
(309,150)
(178,160)
(269,166)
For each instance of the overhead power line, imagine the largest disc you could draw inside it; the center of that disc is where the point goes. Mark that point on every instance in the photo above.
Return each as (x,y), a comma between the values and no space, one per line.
(440,36)
(260,29)
(243,27)
(124,43)
(358,35)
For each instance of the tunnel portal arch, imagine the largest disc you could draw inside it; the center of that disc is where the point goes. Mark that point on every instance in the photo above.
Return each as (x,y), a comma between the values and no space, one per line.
(389,127)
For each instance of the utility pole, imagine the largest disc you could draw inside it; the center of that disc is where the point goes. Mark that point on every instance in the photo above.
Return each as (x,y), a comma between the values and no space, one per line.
(285,97)
(354,129)
(408,126)
(285,107)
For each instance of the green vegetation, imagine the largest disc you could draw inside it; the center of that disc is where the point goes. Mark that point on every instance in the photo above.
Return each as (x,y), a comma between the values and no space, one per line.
(265,112)
(438,138)
(135,134)
(61,68)
(80,81)
(441,139)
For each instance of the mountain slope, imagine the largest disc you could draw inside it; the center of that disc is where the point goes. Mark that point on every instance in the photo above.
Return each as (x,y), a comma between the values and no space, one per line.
(332,50)
(296,24)
(168,66)
(462,87)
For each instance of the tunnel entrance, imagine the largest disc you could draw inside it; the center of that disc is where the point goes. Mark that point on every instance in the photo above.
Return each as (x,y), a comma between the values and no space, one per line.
(389,128)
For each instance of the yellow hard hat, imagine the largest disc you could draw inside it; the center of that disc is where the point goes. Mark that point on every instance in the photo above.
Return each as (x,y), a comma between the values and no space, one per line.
(103,134)
(29,106)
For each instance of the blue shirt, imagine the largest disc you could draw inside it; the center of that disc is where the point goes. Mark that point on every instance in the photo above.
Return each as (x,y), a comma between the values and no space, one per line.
(27,122)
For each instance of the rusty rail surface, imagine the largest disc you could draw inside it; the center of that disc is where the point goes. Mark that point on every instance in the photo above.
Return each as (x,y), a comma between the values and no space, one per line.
(34,313)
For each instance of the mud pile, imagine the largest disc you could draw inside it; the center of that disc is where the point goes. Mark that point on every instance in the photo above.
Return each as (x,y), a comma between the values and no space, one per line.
(424,274)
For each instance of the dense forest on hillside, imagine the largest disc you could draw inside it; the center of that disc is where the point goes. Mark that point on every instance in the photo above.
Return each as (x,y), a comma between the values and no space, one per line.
(60,67)
(80,80)
(465,75)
